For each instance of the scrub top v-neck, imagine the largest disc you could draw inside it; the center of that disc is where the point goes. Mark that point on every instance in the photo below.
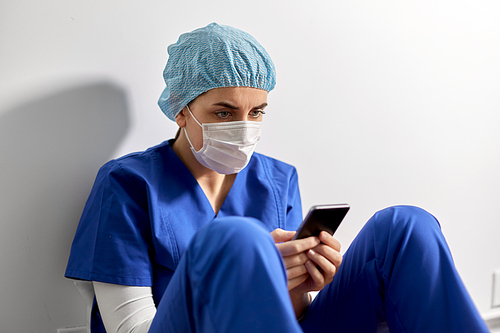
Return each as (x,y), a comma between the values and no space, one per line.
(145,207)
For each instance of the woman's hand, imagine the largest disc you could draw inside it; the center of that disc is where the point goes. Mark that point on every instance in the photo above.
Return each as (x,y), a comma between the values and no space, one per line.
(325,260)
(311,263)
(294,255)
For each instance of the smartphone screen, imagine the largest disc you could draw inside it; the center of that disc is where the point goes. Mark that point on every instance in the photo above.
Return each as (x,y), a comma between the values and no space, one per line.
(322,218)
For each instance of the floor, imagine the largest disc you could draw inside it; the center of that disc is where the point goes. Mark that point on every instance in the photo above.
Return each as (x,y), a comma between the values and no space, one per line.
(493,319)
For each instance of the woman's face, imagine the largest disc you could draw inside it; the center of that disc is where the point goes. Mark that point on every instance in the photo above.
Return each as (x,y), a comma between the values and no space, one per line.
(222,105)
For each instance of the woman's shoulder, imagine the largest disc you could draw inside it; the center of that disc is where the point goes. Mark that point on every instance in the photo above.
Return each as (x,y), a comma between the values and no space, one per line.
(274,165)
(139,163)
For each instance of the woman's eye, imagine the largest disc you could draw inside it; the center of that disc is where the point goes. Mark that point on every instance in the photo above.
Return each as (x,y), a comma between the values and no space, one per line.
(223,114)
(256,113)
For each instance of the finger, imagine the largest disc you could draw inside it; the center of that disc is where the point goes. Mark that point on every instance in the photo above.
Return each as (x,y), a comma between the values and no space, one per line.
(328,269)
(316,276)
(292,283)
(280,235)
(295,260)
(297,246)
(329,240)
(296,271)
(330,254)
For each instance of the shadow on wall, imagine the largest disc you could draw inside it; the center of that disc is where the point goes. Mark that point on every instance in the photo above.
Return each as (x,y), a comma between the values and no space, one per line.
(50,151)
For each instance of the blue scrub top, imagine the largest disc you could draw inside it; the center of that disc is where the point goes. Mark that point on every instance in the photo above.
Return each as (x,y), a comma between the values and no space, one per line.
(145,207)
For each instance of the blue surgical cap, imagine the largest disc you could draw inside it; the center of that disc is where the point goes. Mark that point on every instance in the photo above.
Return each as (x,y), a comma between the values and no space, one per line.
(213,57)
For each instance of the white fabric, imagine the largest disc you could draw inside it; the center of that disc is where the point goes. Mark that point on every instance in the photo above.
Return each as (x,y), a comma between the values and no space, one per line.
(125,309)
(86,289)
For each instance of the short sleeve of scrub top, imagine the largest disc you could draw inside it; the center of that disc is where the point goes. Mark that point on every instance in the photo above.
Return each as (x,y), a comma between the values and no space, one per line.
(145,207)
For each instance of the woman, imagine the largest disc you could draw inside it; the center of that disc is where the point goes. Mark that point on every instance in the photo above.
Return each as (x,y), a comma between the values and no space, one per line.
(190,235)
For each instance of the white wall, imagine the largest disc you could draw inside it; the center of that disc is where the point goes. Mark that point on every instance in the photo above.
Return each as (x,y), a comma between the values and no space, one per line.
(377,103)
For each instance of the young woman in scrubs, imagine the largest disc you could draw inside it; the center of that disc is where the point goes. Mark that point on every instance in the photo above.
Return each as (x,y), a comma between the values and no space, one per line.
(194,235)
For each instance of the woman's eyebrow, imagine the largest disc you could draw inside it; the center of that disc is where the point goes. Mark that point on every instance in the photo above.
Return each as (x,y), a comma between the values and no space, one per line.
(234,107)
(263,105)
(227,105)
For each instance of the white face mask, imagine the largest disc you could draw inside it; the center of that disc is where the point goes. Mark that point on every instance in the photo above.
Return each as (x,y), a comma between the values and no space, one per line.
(227,146)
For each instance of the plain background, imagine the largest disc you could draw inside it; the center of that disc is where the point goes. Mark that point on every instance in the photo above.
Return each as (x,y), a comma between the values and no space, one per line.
(377,103)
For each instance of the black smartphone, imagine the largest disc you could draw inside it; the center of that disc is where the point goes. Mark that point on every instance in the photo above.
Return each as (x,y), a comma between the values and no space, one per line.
(322,218)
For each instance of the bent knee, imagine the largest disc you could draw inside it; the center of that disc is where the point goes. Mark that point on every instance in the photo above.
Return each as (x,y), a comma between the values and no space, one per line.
(237,225)
(234,232)
(405,220)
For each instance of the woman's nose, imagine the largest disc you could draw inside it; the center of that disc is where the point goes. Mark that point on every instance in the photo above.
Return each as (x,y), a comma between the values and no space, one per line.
(240,116)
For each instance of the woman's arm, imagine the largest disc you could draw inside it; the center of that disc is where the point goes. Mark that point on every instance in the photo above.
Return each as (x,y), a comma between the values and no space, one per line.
(125,309)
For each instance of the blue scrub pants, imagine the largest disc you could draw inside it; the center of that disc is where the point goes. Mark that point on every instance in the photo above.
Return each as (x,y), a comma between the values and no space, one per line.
(398,270)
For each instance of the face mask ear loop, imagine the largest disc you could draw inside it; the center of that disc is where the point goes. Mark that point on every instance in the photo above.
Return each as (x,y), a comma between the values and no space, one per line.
(185,132)
(187,106)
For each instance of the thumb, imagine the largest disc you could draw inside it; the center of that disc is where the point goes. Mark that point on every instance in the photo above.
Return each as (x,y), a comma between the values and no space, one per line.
(281,235)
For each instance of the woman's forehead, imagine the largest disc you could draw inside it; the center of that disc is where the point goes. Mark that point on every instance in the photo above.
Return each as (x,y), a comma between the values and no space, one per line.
(233,95)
